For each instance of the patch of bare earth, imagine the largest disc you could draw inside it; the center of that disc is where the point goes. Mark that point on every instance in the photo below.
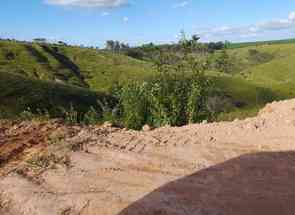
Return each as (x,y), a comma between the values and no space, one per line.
(243,167)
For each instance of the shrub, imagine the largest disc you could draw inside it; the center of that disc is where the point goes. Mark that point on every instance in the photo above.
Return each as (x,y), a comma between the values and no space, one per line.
(256,57)
(70,116)
(27,115)
(176,96)
(264,95)
(135,53)
(134,103)
(91,117)
(223,62)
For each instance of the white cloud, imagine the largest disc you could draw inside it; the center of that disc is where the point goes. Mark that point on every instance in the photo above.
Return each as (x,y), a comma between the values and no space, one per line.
(88,3)
(291,16)
(105,14)
(254,30)
(125,19)
(181,4)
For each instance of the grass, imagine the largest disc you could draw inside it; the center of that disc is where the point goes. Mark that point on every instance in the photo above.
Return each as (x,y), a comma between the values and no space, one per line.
(259,43)
(71,65)
(46,77)
(102,69)
(18,93)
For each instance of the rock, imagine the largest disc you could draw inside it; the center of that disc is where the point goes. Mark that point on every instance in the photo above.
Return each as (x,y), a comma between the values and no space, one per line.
(107,124)
(146,128)
(204,122)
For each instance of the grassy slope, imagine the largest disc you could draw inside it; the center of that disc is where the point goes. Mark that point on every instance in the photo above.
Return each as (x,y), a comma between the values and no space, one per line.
(73,65)
(271,42)
(277,74)
(17,93)
(275,78)
(100,69)
(30,75)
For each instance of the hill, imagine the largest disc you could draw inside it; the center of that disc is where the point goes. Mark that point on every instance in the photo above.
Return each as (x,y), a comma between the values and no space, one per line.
(84,67)
(258,43)
(262,73)
(18,93)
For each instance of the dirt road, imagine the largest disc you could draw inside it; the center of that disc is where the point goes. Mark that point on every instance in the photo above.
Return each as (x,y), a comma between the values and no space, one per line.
(243,167)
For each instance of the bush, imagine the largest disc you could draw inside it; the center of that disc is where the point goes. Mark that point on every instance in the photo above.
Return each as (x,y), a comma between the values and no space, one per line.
(134,104)
(256,57)
(27,115)
(223,63)
(171,100)
(91,117)
(71,116)
(264,95)
(176,96)
(135,53)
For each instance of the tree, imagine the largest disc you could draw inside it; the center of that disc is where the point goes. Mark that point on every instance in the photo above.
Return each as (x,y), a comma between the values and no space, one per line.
(62,43)
(110,44)
(227,44)
(196,38)
(117,46)
(223,62)
(124,46)
(40,40)
(215,46)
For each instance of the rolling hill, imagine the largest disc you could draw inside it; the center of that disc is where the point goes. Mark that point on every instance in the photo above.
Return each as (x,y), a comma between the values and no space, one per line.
(84,67)
(28,69)
(17,93)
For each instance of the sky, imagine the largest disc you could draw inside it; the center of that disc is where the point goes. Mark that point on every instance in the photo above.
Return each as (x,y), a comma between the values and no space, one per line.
(92,22)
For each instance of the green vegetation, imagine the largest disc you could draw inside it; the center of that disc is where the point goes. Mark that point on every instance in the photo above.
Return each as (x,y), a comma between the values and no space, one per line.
(23,96)
(177,96)
(84,67)
(259,43)
(152,84)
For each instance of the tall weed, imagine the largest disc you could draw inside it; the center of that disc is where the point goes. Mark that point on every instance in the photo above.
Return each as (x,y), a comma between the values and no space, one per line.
(176,96)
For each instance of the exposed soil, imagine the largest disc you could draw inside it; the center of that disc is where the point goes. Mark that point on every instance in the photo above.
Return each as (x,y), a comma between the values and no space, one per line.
(245,167)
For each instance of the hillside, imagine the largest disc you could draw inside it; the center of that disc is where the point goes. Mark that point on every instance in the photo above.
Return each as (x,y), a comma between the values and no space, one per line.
(259,43)
(53,77)
(242,167)
(17,93)
(256,80)
(78,66)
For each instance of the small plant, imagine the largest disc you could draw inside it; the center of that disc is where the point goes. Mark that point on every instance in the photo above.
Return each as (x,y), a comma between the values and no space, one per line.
(91,117)
(71,116)
(42,115)
(27,115)
(110,113)
(42,161)
(223,62)
(134,103)
(56,140)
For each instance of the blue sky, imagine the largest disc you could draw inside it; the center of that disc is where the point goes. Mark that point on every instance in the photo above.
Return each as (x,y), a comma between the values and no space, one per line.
(92,22)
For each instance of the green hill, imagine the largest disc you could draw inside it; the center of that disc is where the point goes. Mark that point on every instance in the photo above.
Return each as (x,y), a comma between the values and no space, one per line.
(46,75)
(258,43)
(18,93)
(82,67)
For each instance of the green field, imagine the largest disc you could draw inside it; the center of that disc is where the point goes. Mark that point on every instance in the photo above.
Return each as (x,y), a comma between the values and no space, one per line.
(259,43)
(42,75)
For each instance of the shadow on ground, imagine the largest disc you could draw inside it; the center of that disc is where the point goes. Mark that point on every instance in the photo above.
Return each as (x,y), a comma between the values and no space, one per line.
(261,183)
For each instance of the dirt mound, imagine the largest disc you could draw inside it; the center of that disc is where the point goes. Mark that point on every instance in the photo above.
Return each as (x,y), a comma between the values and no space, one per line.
(241,167)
